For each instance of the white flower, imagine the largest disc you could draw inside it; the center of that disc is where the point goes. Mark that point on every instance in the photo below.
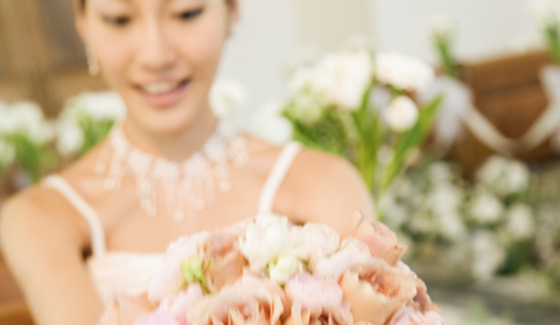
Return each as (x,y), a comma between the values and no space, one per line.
(487,209)
(314,241)
(26,118)
(516,178)
(451,225)
(504,175)
(228,98)
(520,223)
(343,78)
(70,137)
(402,114)
(99,106)
(402,72)
(488,255)
(440,172)
(285,266)
(266,239)
(269,125)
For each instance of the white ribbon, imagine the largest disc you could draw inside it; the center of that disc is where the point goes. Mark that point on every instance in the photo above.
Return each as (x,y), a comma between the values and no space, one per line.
(457,109)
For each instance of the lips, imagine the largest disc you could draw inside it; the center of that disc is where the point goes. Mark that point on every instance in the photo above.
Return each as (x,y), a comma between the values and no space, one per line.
(163,94)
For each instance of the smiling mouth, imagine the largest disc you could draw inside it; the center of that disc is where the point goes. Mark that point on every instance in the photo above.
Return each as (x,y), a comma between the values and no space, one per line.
(162,88)
(163,94)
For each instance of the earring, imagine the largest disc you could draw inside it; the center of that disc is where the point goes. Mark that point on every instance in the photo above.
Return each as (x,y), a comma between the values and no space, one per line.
(93,66)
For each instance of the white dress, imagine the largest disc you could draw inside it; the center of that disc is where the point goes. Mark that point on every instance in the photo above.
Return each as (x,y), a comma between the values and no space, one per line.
(129,272)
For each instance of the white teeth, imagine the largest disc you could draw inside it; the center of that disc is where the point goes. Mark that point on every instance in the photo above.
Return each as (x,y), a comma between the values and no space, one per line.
(159,88)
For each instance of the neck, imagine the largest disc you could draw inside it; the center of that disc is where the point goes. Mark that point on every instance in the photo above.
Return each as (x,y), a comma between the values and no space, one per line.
(173,146)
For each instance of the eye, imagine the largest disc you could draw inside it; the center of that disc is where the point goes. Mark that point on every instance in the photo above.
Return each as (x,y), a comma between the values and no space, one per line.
(190,14)
(118,21)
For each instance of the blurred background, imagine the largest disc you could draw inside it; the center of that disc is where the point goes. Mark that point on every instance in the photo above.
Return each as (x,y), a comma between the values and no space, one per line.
(476,200)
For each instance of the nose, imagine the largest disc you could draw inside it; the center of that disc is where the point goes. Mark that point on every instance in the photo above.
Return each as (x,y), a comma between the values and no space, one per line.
(155,51)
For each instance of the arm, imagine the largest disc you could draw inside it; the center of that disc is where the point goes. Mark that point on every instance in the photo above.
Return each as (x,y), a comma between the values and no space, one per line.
(327,189)
(42,245)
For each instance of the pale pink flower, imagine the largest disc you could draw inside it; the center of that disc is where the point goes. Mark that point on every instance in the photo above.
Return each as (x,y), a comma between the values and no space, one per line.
(377,290)
(331,315)
(352,252)
(433,318)
(313,299)
(218,250)
(158,317)
(382,242)
(312,292)
(422,300)
(408,316)
(125,310)
(168,277)
(250,300)
(178,304)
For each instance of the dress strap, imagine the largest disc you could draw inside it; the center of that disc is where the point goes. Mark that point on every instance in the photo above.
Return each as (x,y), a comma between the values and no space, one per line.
(84,209)
(277,175)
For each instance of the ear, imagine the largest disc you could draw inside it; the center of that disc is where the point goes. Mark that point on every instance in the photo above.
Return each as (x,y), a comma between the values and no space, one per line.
(233,11)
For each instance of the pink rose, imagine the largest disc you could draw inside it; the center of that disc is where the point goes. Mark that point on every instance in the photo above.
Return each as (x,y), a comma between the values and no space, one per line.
(177,305)
(250,300)
(311,292)
(314,299)
(218,250)
(377,290)
(408,316)
(331,315)
(422,300)
(226,261)
(168,277)
(381,241)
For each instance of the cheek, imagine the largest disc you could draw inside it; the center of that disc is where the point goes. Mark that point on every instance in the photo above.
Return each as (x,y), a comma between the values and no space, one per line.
(112,51)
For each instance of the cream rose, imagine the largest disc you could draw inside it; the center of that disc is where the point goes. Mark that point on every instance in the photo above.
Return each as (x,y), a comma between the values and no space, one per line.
(250,300)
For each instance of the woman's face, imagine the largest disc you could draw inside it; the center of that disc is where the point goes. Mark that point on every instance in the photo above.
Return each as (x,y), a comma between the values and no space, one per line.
(160,55)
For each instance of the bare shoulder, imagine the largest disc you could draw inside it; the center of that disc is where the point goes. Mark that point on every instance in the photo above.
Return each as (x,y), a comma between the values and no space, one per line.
(326,189)
(37,223)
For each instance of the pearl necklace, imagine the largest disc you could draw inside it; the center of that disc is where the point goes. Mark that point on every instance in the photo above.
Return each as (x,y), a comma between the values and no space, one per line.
(184,187)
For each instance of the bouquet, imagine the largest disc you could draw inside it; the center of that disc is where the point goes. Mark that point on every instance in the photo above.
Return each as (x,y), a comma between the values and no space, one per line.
(361,106)
(267,271)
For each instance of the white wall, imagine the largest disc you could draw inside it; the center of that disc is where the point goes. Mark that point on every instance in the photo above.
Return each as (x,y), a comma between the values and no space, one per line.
(485,27)
(273,33)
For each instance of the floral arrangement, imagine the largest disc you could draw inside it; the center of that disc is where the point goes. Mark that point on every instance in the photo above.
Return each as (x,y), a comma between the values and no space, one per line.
(549,19)
(359,105)
(87,119)
(494,221)
(25,135)
(267,271)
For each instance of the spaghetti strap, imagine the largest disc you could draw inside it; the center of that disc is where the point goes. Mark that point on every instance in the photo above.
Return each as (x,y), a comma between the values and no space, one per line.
(84,209)
(276,176)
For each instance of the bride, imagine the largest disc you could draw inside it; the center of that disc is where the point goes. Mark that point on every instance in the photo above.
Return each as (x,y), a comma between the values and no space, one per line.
(170,169)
